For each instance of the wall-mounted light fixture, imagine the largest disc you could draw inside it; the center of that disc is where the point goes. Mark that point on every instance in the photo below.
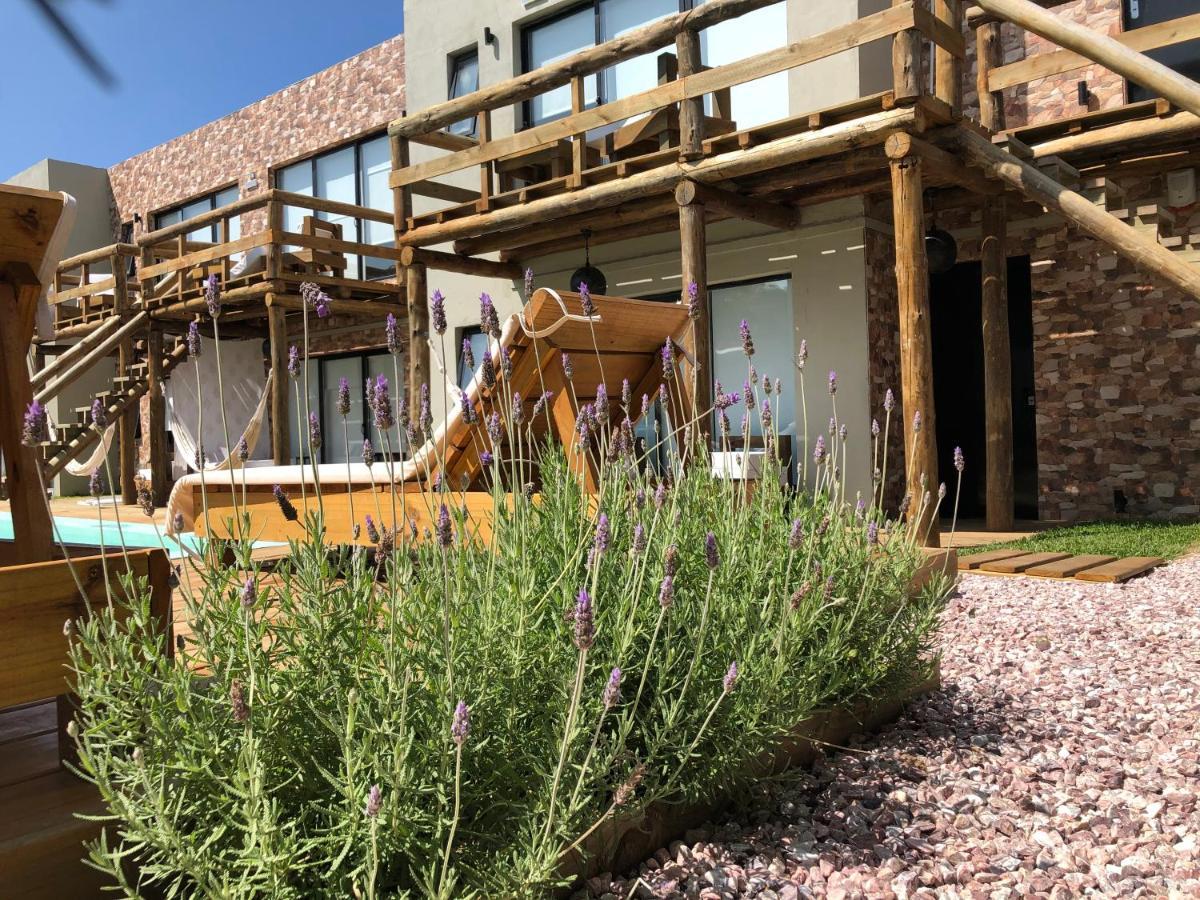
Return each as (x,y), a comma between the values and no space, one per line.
(250,183)
(1084,94)
(489,36)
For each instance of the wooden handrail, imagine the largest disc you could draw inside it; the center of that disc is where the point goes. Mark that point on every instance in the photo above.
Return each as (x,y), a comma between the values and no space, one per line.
(97,255)
(844,37)
(636,42)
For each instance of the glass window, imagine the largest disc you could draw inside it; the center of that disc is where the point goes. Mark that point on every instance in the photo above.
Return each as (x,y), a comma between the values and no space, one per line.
(376,164)
(332,371)
(297,427)
(618,17)
(550,41)
(479,345)
(764,99)
(208,234)
(383,364)
(296,179)
(464,79)
(767,308)
(337,180)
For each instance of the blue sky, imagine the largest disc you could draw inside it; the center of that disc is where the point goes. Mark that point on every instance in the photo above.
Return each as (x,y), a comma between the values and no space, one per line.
(178,64)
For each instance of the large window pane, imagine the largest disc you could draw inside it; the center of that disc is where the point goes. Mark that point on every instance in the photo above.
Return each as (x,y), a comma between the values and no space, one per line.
(350,368)
(337,180)
(464,79)
(296,179)
(767,308)
(382,364)
(618,17)
(479,345)
(376,161)
(195,208)
(224,198)
(552,41)
(765,99)
(296,417)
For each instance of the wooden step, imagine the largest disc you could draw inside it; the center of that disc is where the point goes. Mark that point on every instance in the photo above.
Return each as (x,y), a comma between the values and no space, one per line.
(1121,570)
(975,560)
(1017,564)
(1072,565)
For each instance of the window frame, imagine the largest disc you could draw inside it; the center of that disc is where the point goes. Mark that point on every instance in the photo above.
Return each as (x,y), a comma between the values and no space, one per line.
(453,63)
(527,30)
(359,174)
(209,196)
(364,369)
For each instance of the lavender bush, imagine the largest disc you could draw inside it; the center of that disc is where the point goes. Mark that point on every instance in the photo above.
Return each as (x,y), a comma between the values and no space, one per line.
(454,715)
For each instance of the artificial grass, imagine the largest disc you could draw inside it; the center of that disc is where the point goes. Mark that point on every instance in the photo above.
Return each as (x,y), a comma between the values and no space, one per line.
(1138,538)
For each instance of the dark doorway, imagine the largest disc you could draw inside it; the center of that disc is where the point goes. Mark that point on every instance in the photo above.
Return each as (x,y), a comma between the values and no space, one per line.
(957,325)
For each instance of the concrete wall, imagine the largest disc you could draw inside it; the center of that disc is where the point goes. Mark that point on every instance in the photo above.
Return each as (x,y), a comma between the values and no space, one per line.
(94,227)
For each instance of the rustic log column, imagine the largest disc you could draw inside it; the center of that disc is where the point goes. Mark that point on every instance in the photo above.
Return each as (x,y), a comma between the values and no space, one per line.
(281,441)
(989,55)
(997,368)
(691,112)
(693,251)
(160,469)
(906,62)
(127,427)
(916,350)
(418,337)
(947,66)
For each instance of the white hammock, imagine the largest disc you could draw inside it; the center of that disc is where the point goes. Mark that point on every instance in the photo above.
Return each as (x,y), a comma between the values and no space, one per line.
(84,468)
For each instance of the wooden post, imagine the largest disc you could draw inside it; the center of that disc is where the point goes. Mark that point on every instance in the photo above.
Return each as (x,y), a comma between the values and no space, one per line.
(916,349)
(947,66)
(127,428)
(160,468)
(997,368)
(906,63)
(578,141)
(418,338)
(281,441)
(691,111)
(693,247)
(989,54)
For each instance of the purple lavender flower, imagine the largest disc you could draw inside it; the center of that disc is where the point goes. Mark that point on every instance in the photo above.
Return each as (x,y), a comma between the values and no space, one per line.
(468,355)
(860,508)
(796,538)
(660,495)
(96,484)
(664,395)
(960,461)
(540,406)
(645,406)
(668,360)
(285,505)
(905,503)
(374,802)
(494,428)
(832,426)
(693,300)
(585,627)
(382,405)
(194,344)
(372,530)
(489,321)
(639,538)
(802,356)
(487,371)
(425,413)
(437,312)
(917,422)
(445,532)
(671,560)
(99,414)
(832,382)
(518,408)
(747,341)
(212,295)
(177,523)
(601,403)
(612,689)
(842,432)
(528,285)
(568,369)
(249,592)
(799,594)
(666,592)
(343,397)
(323,305)
(242,452)
(889,400)
(585,300)
(874,428)
(766,414)
(314,431)
(392,333)
(460,728)
(237,702)
(368,452)
(942,491)
(293,365)
(731,677)
(603,534)
(469,414)
(486,458)
(819,450)
(711,558)
(872,534)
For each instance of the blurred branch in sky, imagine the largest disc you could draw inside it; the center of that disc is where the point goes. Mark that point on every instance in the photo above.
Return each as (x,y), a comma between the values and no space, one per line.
(74,42)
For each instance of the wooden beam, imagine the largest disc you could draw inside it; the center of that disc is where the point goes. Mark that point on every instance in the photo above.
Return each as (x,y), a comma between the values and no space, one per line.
(691,111)
(160,467)
(989,54)
(100,344)
(785,151)
(448,192)
(1140,133)
(916,343)
(281,448)
(544,78)
(947,65)
(466,265)
(127,427)
(906,63)
(1142,251)
(418,338)
(809,49)
(773,215)
(693,246)
(1100,48)
(378,308)
(1045,65)
(947,166)
(997,368)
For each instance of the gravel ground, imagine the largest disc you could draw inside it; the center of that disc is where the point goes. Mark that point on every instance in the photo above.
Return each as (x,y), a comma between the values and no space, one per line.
(1061,759)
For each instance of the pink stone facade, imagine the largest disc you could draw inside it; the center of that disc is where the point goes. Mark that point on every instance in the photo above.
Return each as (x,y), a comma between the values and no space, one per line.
(348,100)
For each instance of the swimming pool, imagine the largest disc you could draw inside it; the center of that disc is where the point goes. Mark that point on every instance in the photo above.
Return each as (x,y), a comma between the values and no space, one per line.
(92,532)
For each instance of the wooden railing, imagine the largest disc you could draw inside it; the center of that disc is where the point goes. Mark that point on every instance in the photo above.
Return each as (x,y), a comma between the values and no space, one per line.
(79,298)
(909,22)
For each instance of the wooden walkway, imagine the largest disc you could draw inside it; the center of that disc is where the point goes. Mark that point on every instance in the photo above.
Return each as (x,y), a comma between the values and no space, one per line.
(1086,567)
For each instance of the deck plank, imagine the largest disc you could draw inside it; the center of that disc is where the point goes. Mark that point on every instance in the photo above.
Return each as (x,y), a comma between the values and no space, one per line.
(1018,564)
(1072,565)
(975,560)
(32,718)
(1121,570)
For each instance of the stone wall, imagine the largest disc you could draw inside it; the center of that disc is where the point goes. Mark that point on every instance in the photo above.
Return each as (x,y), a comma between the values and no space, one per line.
(355,97)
